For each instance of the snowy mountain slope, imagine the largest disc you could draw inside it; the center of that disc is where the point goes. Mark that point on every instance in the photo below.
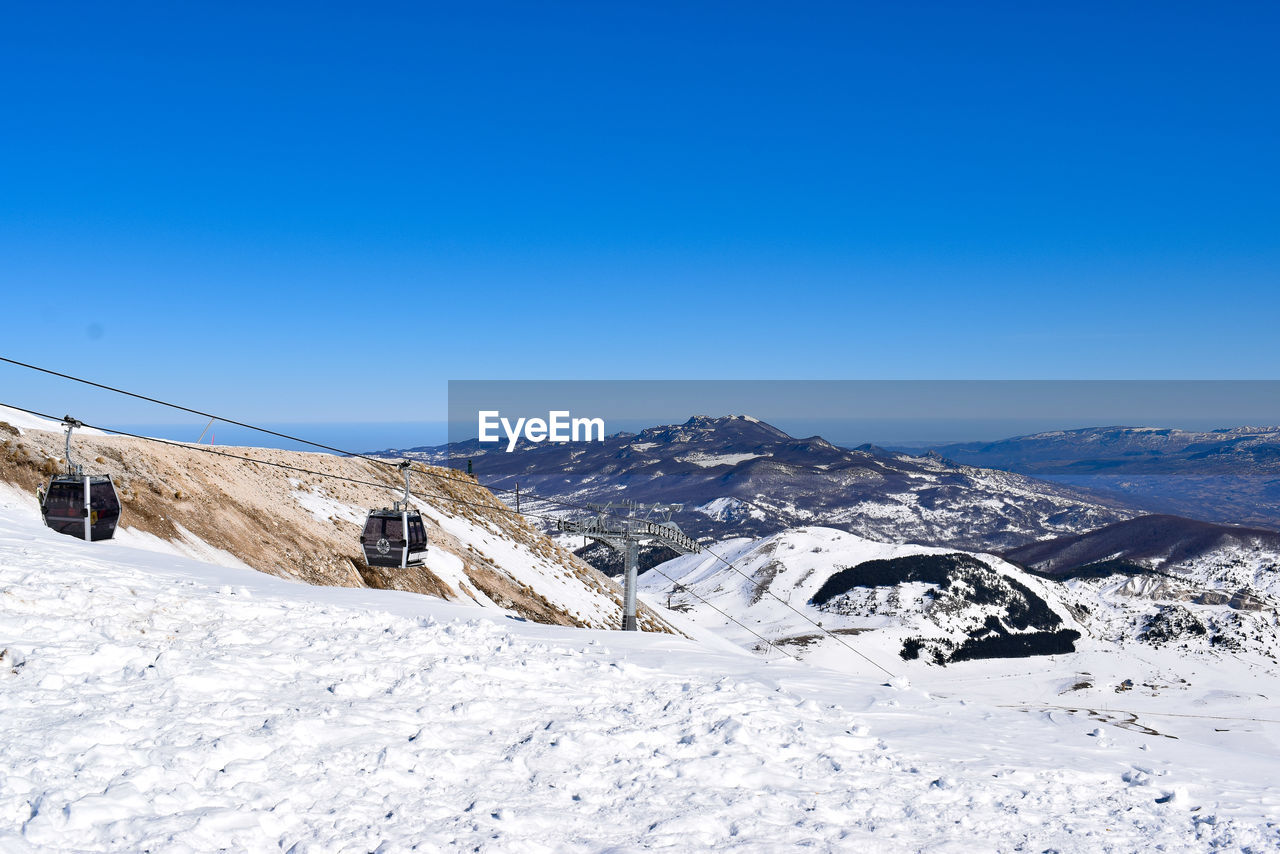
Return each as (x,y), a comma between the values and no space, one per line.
(1221,556)
(306,527)
(928,605)
(917,601)
(738,476)
(1165,611)
(149,702)
(1167,580)
(1153,449)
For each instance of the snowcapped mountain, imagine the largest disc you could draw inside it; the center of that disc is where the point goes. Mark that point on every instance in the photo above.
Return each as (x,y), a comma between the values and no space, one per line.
(277,518)
(949,606)
(1229,475)
(1219,555)
(1164,579)
(152,702)
(157,693)
(737,476)
(941,607)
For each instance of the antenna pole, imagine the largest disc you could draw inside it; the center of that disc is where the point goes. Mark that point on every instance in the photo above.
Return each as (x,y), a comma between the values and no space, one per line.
(205,430)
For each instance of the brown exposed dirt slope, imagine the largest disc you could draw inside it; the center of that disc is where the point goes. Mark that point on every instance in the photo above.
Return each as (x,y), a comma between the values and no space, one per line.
(307,527)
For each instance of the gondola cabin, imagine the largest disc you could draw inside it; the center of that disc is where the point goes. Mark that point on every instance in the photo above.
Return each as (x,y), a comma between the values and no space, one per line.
(394,538)
(84,506)
(79,504)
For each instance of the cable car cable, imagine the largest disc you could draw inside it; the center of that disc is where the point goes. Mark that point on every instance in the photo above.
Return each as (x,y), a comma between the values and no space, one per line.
(721,613)
(816,624)
(497,506)
(268,432)
(368,458)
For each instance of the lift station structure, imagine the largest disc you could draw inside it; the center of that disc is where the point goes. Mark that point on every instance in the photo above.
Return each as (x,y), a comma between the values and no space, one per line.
(624,528)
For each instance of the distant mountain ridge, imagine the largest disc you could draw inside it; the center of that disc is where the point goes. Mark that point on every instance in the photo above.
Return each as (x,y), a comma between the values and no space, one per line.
(1223,556)
(738,476)
(1138,450)
(1229,475)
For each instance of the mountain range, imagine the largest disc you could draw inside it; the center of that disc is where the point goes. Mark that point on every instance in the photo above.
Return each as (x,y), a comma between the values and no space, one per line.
(1230,475)
(738,476)
(1154,579)
(1241,564)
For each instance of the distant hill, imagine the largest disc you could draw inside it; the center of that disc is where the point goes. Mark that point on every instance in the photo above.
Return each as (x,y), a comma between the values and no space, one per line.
(738,476)
(1224,557)
(1229,475)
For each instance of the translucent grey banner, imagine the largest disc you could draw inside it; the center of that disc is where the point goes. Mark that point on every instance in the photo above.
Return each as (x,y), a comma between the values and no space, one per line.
(975,464)
(883,412)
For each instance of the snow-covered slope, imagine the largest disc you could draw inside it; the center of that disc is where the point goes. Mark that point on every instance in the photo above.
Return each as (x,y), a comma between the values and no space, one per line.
(287,522)
(1223,557)
(151,702)
(1166,580)
(935,606)
(895,600)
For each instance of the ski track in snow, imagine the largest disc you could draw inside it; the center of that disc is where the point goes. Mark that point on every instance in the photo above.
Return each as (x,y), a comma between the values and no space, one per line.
(150,702)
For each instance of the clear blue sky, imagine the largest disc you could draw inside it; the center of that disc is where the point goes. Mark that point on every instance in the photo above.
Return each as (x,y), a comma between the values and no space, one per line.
(251,207)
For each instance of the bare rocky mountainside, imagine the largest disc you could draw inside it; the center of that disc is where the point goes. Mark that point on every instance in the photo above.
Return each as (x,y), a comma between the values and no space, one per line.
(307,528)
(737,476)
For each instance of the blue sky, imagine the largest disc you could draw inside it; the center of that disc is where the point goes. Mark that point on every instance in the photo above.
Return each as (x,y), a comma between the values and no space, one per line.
(317,212)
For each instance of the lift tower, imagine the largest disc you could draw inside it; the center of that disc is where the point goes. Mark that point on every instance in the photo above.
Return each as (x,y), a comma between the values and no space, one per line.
(624,529)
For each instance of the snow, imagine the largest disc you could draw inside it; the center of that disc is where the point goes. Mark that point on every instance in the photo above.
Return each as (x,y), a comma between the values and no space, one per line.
(712,460)
(728,508)
(188,545)
(549,577)
(323,508)
(149,701)
(1190,688)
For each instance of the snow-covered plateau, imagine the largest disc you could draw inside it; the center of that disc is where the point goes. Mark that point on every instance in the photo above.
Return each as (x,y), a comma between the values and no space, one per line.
(153,702)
